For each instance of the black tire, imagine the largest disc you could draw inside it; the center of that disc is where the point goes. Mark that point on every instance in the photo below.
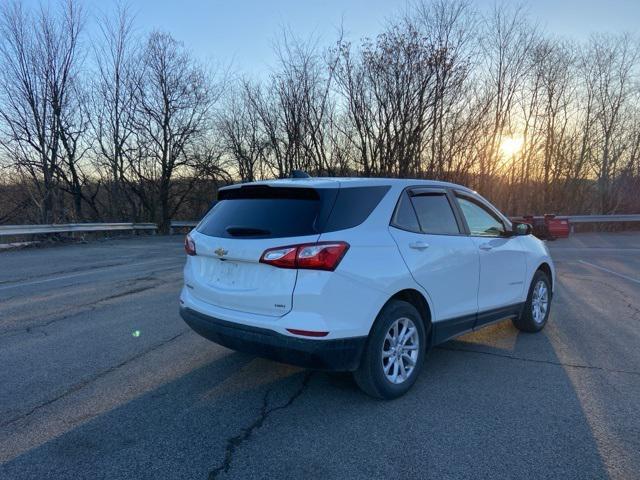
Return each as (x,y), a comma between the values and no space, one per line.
(371,377)
(526,321)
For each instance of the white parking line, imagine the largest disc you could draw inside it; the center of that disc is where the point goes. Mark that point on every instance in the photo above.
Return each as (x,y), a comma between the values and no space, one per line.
(631,279)
(79,274)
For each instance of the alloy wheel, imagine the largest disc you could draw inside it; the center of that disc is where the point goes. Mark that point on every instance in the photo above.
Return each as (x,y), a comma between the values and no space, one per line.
(400,350)
(540,302)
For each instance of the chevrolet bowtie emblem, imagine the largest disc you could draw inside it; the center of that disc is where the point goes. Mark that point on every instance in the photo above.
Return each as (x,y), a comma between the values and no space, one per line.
(221,252)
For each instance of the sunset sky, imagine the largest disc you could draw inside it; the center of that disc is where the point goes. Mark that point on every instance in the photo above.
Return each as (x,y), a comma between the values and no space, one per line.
(242,32)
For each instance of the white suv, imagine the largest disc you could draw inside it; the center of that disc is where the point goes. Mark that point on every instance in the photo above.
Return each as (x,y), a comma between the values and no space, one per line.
(358,274)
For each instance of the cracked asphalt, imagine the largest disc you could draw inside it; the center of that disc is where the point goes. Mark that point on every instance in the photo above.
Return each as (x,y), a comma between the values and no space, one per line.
(100,378)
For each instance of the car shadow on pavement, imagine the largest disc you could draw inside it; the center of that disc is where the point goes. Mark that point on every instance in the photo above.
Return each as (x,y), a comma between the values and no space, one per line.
(177,430)
(473,413)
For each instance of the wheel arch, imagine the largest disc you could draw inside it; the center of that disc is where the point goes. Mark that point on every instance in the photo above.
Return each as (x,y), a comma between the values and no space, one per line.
(546,269)
(418,300)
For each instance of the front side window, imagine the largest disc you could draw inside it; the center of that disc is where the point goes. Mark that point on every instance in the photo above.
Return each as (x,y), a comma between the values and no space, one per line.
(481,221)
(425,212)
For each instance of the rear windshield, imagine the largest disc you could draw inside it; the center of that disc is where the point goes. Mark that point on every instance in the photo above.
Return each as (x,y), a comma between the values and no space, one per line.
(261,211)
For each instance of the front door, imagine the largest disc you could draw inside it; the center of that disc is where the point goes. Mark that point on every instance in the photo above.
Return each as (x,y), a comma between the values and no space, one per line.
(502,260)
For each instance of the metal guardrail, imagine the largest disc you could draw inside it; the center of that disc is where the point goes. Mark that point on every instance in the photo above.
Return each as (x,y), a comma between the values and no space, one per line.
(575,219)
(18,230)
(179,224)
(599,218)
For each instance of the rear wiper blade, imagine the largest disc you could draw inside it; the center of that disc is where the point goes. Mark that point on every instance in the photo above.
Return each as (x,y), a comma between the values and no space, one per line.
(245,231)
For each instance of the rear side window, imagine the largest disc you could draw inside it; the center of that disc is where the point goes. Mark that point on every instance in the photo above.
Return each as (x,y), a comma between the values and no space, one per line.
(435,214)
(405,216)
(262,211)
(353,206)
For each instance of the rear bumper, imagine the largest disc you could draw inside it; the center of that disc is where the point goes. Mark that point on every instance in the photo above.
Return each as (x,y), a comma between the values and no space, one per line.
(340,354)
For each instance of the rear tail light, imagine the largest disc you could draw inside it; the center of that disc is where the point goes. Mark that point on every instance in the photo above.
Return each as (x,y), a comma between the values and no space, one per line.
(189,246)
(311,256)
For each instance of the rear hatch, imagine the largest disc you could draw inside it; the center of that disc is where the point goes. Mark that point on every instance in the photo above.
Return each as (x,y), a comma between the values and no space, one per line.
(230,240)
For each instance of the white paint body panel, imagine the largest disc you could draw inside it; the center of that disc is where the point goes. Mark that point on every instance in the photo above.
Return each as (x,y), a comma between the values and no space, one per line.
(455,277)
(448,268)
(502,271)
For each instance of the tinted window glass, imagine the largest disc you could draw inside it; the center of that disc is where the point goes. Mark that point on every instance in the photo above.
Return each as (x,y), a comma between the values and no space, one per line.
(261,211)
(353,206)
(405,216)
(480,220)
(261,218)
(435,214)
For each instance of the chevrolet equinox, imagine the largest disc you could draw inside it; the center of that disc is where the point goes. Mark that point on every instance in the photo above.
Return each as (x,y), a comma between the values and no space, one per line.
(361,275)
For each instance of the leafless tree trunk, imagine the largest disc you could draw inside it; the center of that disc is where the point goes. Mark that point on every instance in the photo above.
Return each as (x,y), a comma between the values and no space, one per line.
(31,134)
(174,101)
(614,60)
(113,106)
(507,40)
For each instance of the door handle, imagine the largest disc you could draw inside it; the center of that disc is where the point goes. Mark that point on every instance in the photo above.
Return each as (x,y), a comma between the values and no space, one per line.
(485,246)
(419,245)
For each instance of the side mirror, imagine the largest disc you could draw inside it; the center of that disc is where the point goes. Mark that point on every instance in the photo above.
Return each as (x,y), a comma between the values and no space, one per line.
(520,228)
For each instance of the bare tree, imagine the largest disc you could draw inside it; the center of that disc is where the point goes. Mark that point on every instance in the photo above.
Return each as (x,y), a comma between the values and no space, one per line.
(174,104)
(239,127)
(450,27)
(507,40)
(614,60)
(41,102)
(114,104)
(68,98)
(30,130)
(389,90)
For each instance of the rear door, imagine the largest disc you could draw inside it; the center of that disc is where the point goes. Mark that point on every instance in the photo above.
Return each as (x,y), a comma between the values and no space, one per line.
(441,258)
(502,258)
(230,240)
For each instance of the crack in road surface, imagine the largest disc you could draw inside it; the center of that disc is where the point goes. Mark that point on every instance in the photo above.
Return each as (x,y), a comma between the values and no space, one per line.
(80,385)
(233,443)
(534,360)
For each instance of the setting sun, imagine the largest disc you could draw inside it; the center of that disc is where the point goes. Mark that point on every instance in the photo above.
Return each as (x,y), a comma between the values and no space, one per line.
(510,146)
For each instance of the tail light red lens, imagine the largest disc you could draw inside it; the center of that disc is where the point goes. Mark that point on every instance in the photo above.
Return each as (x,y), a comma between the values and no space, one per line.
(311,256)
(189,246)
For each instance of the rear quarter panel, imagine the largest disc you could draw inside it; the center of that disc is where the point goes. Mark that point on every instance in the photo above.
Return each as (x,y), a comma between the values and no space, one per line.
(346,302)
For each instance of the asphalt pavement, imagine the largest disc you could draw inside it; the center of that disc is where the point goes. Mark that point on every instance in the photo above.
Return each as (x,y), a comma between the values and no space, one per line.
(101,379)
